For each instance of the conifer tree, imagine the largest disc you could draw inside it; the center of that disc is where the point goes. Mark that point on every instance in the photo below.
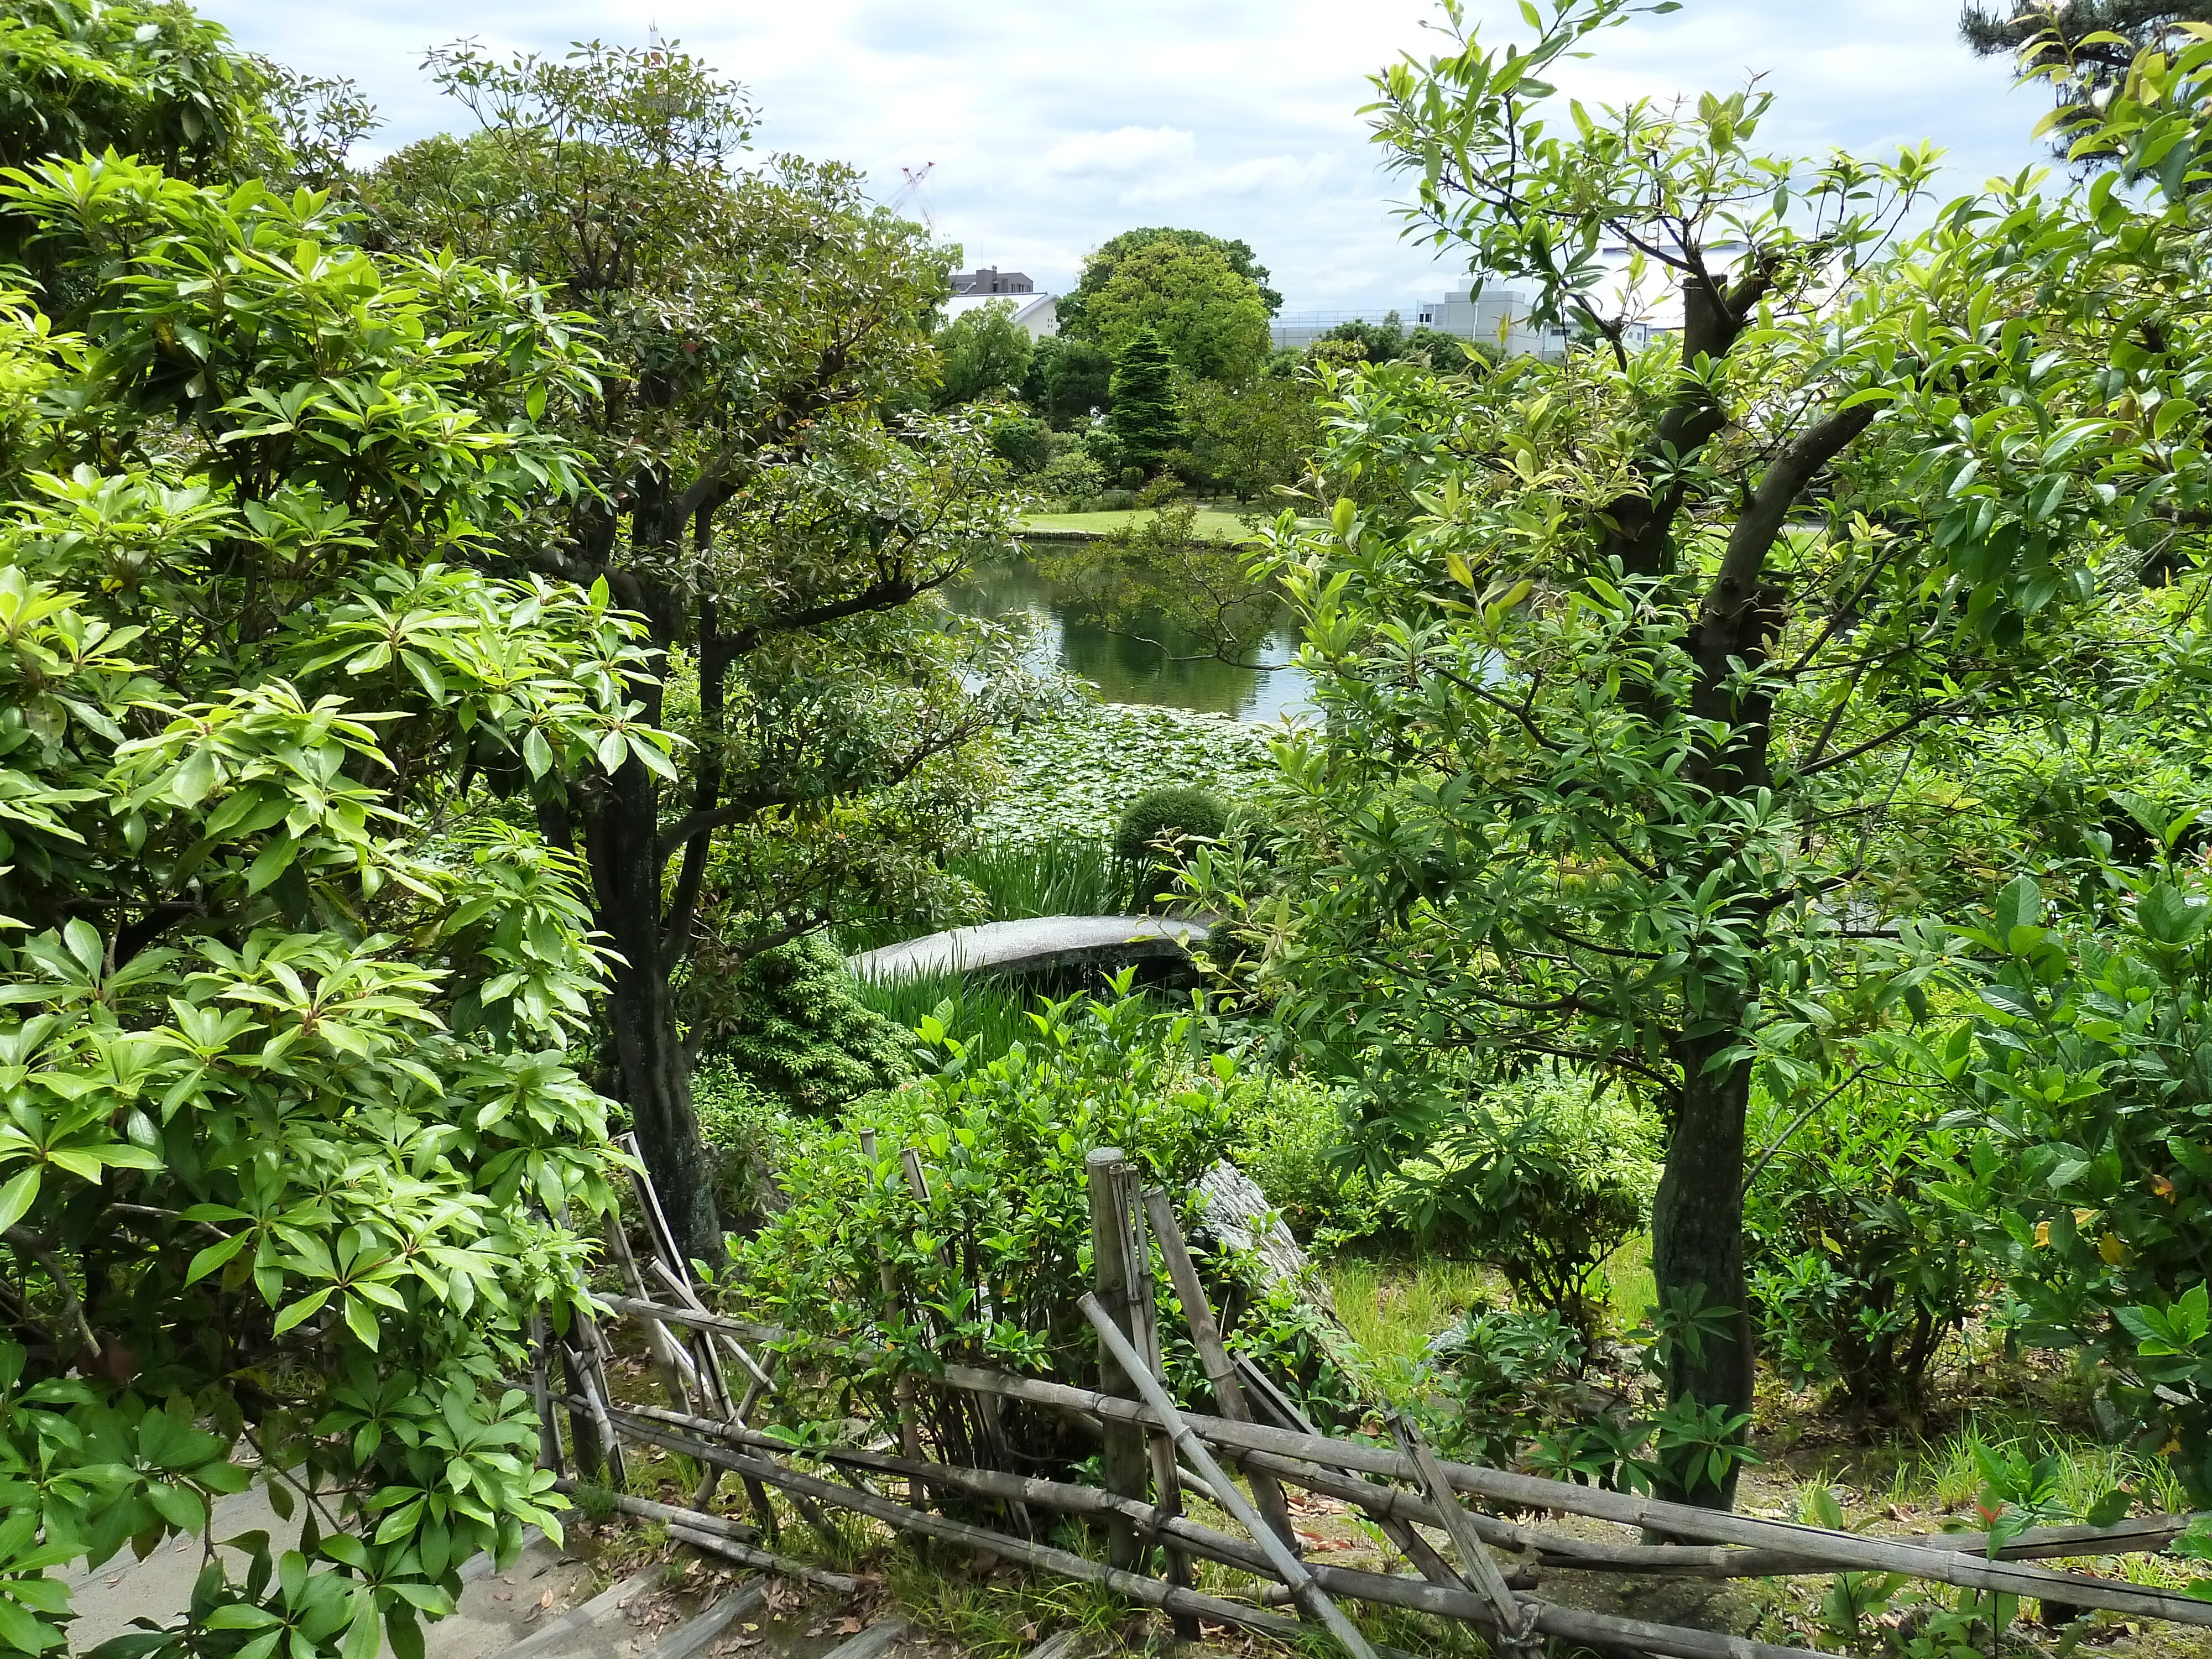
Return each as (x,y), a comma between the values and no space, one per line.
(1144,416)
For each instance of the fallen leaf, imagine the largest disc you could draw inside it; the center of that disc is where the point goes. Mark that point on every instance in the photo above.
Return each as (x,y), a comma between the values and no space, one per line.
(546,1600)
(849,1627)
(502,1595)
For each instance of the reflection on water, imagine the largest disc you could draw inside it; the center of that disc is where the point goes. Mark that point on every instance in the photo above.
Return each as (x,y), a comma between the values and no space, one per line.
(1131,671)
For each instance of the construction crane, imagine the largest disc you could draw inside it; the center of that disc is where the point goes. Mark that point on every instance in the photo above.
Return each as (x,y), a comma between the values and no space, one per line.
(910,198)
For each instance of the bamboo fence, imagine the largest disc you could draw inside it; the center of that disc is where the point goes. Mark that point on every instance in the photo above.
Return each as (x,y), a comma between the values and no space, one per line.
(1478,1568)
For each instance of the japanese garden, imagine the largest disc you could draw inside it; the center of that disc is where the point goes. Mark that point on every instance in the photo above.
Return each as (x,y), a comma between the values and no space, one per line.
(714,939)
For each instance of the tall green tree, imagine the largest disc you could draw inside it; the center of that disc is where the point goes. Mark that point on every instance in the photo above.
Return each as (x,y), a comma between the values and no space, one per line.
(1144,416)
(1620,659)
(758,500)
(1212,316)
(154,81)
(1098,269)
(291,1142)
(1069,380)
(982,351)
(1251,442)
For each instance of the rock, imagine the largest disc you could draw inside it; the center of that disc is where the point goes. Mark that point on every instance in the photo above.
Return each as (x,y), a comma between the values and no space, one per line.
(1239,1216)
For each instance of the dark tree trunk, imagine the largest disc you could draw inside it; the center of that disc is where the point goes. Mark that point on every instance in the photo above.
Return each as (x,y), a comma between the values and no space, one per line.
(653,1074)
(1697,1244)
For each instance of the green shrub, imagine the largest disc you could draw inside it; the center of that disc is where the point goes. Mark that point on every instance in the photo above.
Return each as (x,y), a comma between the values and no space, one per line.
(1071,477)
(790,1022)
(1288,1132)
(1539,1178)
(1176,809)
(1858,1269)
(1517,1388)
(2085,1075)
(753,1135)
(994,1259)
(1173,812)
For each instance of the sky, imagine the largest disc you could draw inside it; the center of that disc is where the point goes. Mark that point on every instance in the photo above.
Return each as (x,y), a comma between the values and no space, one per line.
(1053,124)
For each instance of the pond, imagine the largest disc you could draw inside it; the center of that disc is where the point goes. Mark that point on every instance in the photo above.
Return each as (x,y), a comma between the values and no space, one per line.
(1138,670)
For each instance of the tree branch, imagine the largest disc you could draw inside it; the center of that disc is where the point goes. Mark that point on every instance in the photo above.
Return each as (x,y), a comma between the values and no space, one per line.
(72,1309)
(1761,521)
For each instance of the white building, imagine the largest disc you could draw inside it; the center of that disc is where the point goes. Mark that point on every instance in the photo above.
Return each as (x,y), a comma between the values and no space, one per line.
(1497,317)
(1037,313)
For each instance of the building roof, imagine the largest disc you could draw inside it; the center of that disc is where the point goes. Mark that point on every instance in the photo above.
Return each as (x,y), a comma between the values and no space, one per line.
(989,279)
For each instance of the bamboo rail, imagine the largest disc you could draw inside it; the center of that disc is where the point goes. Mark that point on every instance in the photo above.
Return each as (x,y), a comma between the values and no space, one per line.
(1808,1549)
(1154,1451)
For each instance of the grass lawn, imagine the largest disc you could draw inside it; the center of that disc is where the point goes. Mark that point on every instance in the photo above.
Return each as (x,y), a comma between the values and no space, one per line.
(1211,521)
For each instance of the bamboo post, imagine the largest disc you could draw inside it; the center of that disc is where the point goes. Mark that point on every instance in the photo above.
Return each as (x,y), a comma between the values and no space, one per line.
(664,1237)
(584,1442)
(541,1393)
(1410,1543)
(1124,1458)
(599,1450)
(669,1358)
(1213,1353)
(1143,1324)
(1516,1626)
(1292,1571)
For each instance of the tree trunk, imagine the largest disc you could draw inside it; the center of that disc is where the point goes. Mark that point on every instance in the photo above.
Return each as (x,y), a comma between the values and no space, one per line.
(1697,1247)
(653,1074)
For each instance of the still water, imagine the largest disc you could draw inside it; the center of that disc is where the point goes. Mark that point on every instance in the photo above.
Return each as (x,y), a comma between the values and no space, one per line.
(1128,670)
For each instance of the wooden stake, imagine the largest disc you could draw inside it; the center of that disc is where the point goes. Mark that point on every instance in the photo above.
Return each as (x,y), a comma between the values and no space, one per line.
(1516,1633)
(1213,1354)
(1124,1458)
(676,1366)
(608,1448)
(541,1393)
(1143,1324)
(1311,1597)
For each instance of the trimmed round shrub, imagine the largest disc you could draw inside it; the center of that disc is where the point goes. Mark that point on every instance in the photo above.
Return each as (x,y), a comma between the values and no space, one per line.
(1172,811)
(1177,809)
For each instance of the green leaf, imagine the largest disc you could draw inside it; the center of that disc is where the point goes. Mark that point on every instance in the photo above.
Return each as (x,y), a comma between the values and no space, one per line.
(271,862)
(366,1633)
(17,1196)
(2171,916)
(215,1255)
(361,1319)
(2111,1509)
(2019,905)
(303,1307)
(240,1615)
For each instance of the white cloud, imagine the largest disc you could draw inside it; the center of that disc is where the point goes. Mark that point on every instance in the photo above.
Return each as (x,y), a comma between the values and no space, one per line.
(1054,126)
(1122,153)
